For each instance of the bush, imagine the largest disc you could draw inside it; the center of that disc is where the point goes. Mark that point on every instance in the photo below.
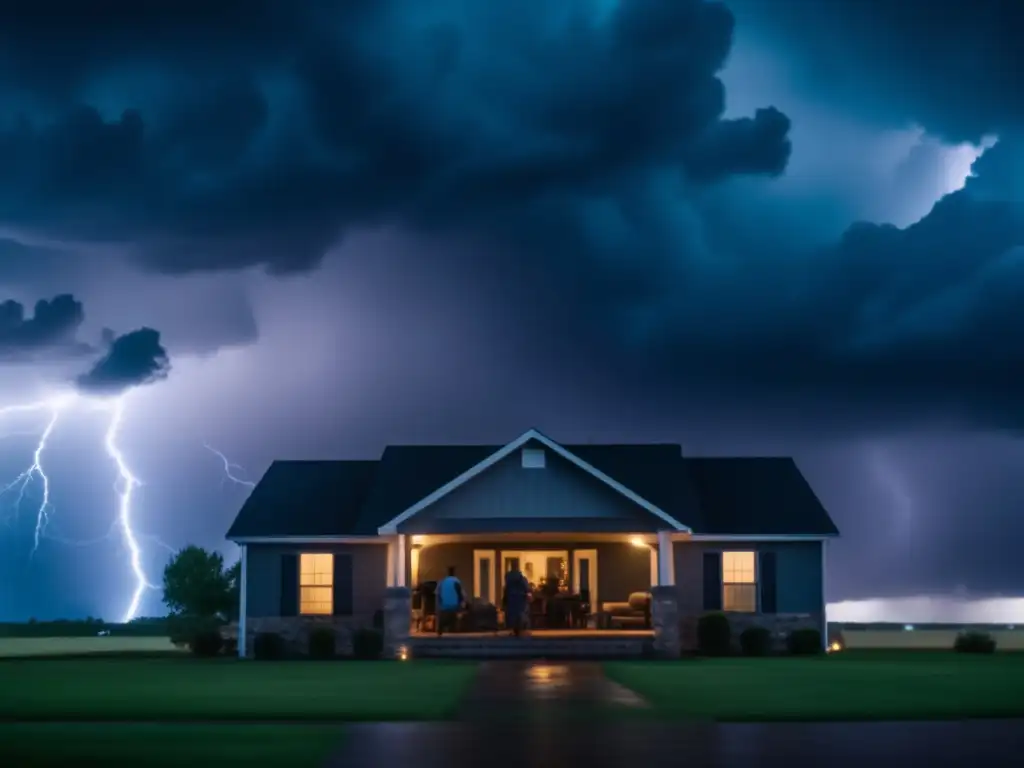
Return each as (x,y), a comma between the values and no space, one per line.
(804,642)
(268,646)
(714,636)
(756,641)
(206,643)
(378,619)
(230,646)
(974,642)
(321,643)
(367,643)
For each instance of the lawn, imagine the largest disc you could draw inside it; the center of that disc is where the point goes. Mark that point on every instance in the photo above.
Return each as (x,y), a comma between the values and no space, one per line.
(865,685)
(73,646)
(189,689)
(258,746)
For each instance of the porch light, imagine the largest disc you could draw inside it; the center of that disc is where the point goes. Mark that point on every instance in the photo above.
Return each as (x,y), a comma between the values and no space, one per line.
(637,541)
(835,647)
(403,653)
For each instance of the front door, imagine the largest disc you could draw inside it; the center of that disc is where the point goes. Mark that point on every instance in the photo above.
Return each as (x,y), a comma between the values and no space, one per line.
(584,576)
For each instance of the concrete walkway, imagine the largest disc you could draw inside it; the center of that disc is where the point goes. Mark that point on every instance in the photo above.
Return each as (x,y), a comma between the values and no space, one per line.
(546,714)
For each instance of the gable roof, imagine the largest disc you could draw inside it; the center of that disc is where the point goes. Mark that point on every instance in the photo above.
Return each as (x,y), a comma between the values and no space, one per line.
(725,496)
(531,435)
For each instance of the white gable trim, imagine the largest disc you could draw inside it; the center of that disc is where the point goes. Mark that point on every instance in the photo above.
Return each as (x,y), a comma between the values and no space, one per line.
(391,526)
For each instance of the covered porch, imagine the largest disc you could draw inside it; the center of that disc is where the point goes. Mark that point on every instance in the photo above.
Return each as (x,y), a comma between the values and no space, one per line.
(582,584)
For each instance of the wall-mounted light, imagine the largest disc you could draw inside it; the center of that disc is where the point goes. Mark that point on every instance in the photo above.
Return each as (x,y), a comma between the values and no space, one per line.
(638,541)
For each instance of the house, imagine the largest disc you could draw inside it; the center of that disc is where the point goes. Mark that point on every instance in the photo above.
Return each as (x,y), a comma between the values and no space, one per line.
(339,541)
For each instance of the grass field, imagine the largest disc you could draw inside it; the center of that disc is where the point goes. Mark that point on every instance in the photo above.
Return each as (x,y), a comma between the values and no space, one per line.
(868,685)
(931,639)
(255,746)
(74,646)
(189,689)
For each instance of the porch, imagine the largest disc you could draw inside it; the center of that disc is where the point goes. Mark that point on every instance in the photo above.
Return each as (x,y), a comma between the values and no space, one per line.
(581,584)
(548,644)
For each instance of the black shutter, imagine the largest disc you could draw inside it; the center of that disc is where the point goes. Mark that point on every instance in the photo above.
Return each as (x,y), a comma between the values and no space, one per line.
(343,585)
(712,581)
(766,577)
(289,585)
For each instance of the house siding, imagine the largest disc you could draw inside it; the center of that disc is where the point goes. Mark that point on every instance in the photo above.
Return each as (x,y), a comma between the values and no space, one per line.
(263,588)
(621,568)
(798,585)
(507,491)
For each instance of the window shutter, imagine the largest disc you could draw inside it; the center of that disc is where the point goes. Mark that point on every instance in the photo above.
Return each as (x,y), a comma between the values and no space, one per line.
(289,585)
(766,577)
(712,581)
(343,585)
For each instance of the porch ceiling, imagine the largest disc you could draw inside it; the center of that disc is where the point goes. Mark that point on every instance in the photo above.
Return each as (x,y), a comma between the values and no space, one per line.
(525,525)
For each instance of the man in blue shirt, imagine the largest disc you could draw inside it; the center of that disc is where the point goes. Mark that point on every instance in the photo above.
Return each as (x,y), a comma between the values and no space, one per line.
(450,599)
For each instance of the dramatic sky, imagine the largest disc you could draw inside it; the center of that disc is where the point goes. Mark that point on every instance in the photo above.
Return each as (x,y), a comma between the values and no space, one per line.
(310,229)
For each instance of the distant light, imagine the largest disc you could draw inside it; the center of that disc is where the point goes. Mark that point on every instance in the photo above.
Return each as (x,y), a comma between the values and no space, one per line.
(403,653)
(835,647)
(908,627)
(637,541)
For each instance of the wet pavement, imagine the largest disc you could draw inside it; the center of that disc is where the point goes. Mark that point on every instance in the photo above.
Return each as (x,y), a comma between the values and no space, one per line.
(548,714)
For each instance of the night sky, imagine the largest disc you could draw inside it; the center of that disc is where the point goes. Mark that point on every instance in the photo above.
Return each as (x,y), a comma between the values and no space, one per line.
(310,229)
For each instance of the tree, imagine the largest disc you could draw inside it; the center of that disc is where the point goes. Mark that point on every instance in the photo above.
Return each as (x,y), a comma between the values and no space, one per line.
(197,585)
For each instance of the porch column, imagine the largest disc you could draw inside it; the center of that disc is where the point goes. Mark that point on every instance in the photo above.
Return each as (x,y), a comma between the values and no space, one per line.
(399,579)
(244,580)
(665,602)
(666,561)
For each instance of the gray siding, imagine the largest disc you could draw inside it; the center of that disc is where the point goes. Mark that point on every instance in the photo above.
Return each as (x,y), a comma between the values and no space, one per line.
(621,568)
(263,587)
(798,573)
(561,490)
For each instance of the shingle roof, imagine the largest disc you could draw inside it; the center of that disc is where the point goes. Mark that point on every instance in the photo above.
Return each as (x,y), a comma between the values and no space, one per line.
(728,496)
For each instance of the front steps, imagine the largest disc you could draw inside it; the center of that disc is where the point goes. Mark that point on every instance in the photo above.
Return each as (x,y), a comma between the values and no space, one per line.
(503,646)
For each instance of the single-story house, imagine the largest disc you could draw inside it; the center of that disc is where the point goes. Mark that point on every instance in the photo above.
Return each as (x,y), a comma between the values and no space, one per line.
(338,541)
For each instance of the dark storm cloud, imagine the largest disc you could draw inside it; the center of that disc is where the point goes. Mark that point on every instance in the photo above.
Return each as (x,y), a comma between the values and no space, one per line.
(52,324)
(134,359)
(953,66)
(334,115)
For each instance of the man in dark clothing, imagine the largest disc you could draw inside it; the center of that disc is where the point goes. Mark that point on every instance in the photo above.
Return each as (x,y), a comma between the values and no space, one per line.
(450,599)
(517,589)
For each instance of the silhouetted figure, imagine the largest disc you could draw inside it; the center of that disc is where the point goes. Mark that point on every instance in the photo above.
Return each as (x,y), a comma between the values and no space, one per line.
(449,600)
(517,590)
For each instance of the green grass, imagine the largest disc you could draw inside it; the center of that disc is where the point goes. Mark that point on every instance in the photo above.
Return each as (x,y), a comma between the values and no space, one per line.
(189,689)
(81,646)
(869,685)
(257,746)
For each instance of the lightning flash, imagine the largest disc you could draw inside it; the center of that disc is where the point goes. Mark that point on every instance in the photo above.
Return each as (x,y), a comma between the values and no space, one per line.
(124,486)
(230,468)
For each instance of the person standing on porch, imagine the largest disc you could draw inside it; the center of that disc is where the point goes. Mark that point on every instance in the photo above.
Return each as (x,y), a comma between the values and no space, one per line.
(449,600)
(517,589)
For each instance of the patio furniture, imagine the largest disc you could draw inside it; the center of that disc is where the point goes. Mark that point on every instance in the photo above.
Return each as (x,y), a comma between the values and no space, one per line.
(634,614)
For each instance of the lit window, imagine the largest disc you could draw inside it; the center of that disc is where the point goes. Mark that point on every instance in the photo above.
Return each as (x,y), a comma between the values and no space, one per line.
(316,583)
(739,582)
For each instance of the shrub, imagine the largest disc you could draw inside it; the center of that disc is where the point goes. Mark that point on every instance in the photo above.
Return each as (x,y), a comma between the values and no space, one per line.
(321,643)
(268,646)
(367,643)
(230,646)
(378,619)
(714,636)
(804,642)
(183,629)
(756,641)
(974,642)
(206,643)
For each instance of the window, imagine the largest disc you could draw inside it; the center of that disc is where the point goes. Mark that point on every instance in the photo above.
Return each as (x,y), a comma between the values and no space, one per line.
(316,584)
(739,582)
(533,458)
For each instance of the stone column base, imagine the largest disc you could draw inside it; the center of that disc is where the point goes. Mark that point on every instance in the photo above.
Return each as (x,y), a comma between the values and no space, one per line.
(665,619)
(397,618)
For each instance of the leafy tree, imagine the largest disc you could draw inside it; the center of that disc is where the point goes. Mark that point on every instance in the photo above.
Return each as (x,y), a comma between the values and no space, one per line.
(196,584)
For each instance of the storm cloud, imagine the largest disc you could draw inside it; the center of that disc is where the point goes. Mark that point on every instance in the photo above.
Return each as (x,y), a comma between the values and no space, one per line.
(134,359)
(53,323)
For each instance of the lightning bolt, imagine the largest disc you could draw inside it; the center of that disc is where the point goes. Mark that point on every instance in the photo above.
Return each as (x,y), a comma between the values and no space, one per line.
(124,486)
(229,466)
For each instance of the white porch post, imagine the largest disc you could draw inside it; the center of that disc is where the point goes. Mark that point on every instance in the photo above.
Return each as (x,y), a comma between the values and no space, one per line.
(400,560)
(666,562)
(244,579)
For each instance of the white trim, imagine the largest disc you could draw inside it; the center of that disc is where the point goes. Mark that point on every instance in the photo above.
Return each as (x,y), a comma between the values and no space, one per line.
(824,602)
(753,537)
(242,597)
(391,526)
(478,556)
(653,552)
(372,539)
(581,554)
(400,560)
